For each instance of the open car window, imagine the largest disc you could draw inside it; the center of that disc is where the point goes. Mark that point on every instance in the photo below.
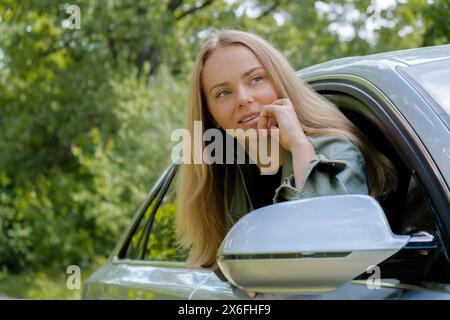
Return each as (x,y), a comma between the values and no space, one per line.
(154,238)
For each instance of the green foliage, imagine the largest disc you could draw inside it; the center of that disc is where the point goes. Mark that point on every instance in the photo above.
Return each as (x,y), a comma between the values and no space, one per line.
(81,144)
(162,242)
(86,115)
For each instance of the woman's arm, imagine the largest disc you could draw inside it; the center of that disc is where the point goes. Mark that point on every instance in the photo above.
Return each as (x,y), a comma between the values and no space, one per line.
(337,168)
(302,153)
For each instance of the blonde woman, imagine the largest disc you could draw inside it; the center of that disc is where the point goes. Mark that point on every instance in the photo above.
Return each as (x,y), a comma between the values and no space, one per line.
(241,82)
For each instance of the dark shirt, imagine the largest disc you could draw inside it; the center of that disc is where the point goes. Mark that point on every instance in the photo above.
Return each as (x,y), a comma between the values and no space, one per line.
(262,189)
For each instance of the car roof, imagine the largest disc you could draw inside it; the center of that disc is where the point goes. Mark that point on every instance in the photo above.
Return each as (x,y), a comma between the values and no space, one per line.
(390,59)
(417,55)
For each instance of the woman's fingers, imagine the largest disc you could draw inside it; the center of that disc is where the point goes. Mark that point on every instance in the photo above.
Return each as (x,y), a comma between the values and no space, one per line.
(280,118)
(265,122)
(282,102)
(272,122)
(268,117)
(262,122)
(268,121)
(251,294)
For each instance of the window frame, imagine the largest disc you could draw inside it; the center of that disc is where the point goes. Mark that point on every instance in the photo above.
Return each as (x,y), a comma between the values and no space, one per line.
(157,193)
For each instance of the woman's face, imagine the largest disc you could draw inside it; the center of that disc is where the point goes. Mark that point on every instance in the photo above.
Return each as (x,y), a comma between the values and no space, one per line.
(236,87)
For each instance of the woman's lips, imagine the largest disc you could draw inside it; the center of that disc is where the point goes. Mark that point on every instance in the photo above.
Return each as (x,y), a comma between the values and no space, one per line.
(250,120)
(250,123)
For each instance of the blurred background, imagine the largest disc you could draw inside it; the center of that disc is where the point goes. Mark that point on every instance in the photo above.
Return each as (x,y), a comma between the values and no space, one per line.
(87,107)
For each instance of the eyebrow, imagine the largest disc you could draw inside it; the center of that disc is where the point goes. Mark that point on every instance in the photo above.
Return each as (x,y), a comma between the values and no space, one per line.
(245,74)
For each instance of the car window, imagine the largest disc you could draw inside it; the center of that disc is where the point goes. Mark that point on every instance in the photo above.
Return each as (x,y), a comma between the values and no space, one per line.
(417,215)
(155,239)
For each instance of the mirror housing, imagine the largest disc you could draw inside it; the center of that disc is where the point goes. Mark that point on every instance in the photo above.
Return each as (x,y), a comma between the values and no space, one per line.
(307,246)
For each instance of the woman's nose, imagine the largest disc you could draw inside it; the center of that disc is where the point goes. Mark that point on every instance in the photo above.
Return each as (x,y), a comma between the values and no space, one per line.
(245,98)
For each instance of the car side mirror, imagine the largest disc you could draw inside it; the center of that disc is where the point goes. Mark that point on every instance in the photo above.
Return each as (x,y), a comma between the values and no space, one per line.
(307,246)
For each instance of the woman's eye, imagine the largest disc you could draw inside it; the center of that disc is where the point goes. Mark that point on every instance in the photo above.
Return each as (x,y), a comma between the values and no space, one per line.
(257,79)
(222,93)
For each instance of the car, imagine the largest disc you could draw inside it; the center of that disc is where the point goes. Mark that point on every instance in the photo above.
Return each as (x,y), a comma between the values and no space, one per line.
(395,249)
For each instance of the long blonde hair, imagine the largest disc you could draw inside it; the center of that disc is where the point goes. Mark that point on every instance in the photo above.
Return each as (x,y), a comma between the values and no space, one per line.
(200,219)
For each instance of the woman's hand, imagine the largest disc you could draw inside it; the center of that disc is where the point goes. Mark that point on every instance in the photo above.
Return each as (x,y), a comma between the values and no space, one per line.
(281,121)
(251,294)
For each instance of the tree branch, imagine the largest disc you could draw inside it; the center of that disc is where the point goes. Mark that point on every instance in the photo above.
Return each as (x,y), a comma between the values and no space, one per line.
(49,51)
(194,9)
(269,10)
(173,5)
(112,48)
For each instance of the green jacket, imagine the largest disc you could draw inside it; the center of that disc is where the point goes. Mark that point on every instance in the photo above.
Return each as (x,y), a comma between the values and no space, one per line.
(338,168)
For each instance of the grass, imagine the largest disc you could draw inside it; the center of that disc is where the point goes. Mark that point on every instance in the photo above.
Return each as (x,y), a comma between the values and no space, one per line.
(42,285)
(36,286)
